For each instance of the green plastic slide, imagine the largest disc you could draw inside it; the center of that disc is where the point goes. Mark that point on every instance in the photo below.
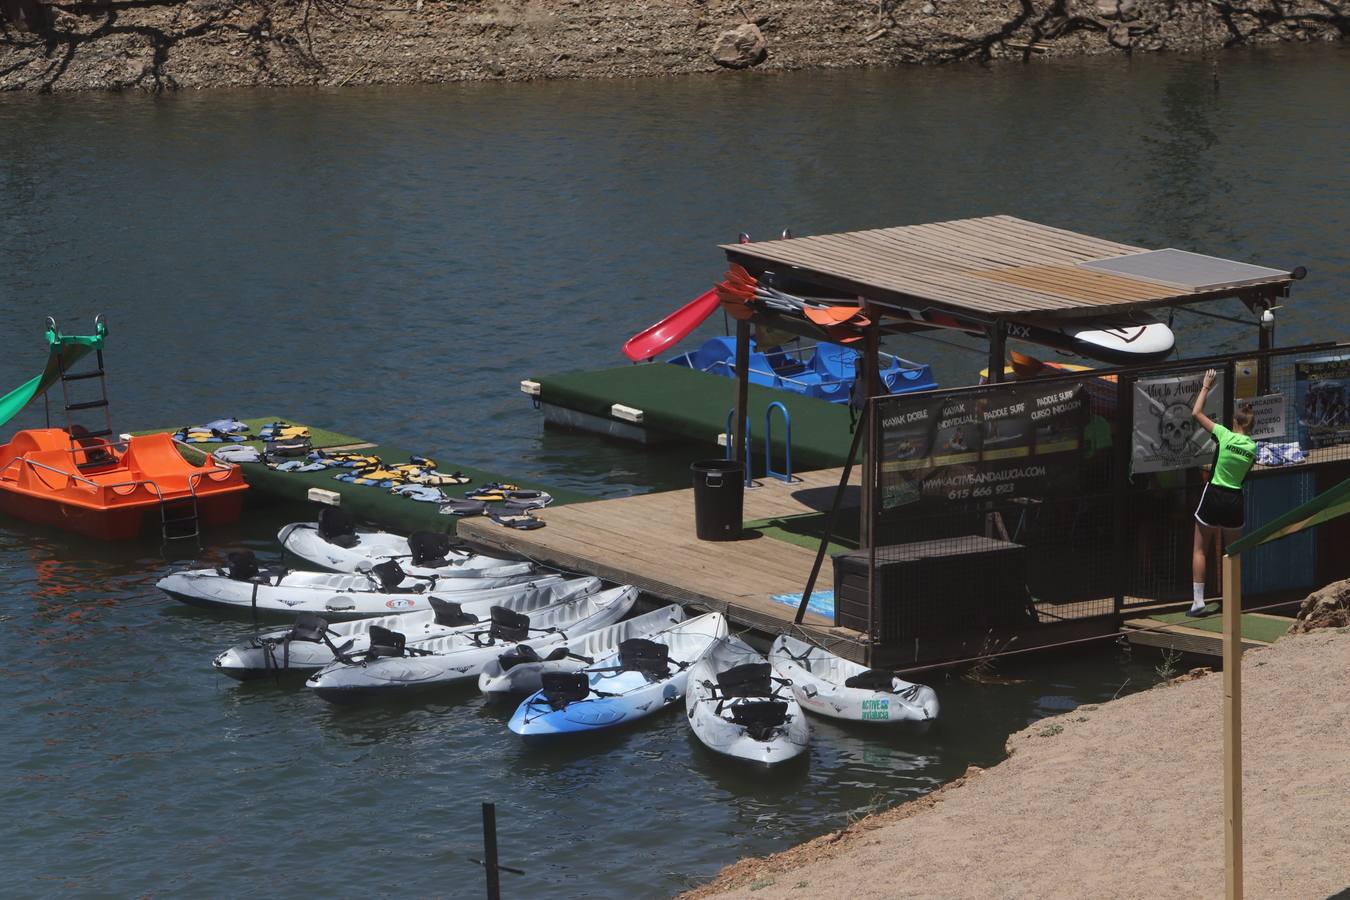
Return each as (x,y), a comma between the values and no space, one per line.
(64,350)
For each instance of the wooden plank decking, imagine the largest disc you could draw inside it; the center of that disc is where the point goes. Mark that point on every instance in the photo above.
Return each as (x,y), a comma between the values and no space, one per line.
(995,265)
(648,540)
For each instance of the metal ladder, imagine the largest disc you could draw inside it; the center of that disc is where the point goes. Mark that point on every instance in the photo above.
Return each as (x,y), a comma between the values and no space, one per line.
(92,458)
(179,517)
(183,524)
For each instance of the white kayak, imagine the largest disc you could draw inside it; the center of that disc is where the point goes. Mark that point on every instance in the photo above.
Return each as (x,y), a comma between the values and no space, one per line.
(244,587)
(422,554)
(841,689)
(737,708)
(517,672)
(642,677)
(389,665)
(311,643)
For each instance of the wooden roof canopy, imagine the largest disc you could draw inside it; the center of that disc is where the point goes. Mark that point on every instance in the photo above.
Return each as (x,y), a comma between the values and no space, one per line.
(1001,267)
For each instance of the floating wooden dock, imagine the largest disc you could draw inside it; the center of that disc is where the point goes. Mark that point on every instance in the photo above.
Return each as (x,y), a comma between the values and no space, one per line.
(648,540)
(366,502)
(1155,632)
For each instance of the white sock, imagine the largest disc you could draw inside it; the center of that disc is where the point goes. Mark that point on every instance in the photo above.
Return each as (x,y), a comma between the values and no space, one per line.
(1197,595)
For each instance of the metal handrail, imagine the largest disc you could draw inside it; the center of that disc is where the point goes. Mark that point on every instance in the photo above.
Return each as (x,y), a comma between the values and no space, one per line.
(786,474)
(193,480)
(39,465)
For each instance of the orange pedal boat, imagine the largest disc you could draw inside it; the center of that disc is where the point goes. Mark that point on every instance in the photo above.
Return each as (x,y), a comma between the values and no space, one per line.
(86,482)
(113,491)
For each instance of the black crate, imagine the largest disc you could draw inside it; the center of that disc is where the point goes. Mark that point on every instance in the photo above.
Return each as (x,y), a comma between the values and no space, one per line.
(934,588)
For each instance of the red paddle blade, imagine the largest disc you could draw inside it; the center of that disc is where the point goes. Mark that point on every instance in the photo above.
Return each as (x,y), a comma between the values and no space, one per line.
(738,274)
(728,292)
(832,315)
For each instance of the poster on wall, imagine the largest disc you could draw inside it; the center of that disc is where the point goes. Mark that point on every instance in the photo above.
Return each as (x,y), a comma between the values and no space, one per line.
(1268,411)
(1019,440)
(906,450)
(1166,435)
(1322,398)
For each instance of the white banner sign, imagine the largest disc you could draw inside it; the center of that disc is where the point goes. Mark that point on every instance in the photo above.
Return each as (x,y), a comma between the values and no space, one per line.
(1166,435)
(1269,412)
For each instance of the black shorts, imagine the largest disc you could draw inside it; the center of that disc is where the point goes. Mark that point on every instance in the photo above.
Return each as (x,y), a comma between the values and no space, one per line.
(1220,507)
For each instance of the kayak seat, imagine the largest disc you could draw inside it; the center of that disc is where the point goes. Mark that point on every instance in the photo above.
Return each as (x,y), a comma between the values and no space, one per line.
(508,625)
(872,680)
(562,688)
(783,362)
(834,363)
(385,643)
(243,565)
(389,574)
(518,655)
(642,655)
(337,527)
(308,627)
(746,680)
(759,717)
(429,548)
(450,614)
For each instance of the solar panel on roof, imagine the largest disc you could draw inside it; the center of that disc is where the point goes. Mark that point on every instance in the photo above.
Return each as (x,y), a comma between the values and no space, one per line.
(1181,268)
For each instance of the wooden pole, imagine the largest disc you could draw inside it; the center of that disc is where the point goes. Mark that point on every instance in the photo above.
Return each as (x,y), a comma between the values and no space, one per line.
(494,884)
(1232,725)
(742,390)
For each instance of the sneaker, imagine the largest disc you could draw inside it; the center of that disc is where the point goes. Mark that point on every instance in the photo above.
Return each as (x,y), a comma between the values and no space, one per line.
(1197,613)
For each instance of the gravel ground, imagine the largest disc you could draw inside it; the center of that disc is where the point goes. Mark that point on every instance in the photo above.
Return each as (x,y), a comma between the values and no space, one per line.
(1120,800)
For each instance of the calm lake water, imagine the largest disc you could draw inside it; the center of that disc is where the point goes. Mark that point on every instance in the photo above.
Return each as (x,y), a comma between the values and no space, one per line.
(390,262)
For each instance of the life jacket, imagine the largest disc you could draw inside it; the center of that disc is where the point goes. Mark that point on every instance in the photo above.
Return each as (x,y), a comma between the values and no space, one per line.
(278,431)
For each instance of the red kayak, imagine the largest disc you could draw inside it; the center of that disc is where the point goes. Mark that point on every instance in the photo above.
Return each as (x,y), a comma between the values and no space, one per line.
(672,329)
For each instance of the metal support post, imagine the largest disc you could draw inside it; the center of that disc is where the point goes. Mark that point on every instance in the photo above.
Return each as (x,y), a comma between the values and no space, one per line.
(998,334)
(494,886)
(742,388)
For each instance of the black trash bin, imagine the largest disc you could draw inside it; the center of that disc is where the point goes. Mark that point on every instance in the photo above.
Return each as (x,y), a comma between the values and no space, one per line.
(719,499)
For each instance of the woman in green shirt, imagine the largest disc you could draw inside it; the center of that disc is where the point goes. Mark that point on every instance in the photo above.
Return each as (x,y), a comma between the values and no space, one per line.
(1221,508)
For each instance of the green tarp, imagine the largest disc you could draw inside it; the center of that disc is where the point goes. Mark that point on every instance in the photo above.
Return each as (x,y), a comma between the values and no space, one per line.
(1322,508)
(64,350)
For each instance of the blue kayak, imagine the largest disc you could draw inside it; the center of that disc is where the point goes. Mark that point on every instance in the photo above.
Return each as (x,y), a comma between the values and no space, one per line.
(644,676)
(825,371)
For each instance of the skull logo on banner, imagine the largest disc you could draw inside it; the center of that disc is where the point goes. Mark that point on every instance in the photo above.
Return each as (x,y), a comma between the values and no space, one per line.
(1166,435)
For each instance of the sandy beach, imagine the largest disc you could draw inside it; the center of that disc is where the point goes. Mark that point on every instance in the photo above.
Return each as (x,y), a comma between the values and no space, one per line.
(1119,800)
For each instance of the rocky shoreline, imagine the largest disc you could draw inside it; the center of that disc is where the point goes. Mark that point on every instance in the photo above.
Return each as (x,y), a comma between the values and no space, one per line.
(188,44)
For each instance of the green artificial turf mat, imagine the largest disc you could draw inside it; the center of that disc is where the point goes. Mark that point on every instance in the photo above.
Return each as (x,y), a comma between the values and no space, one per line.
(807,529)
(367,503)
(1254,627)
(319,437)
